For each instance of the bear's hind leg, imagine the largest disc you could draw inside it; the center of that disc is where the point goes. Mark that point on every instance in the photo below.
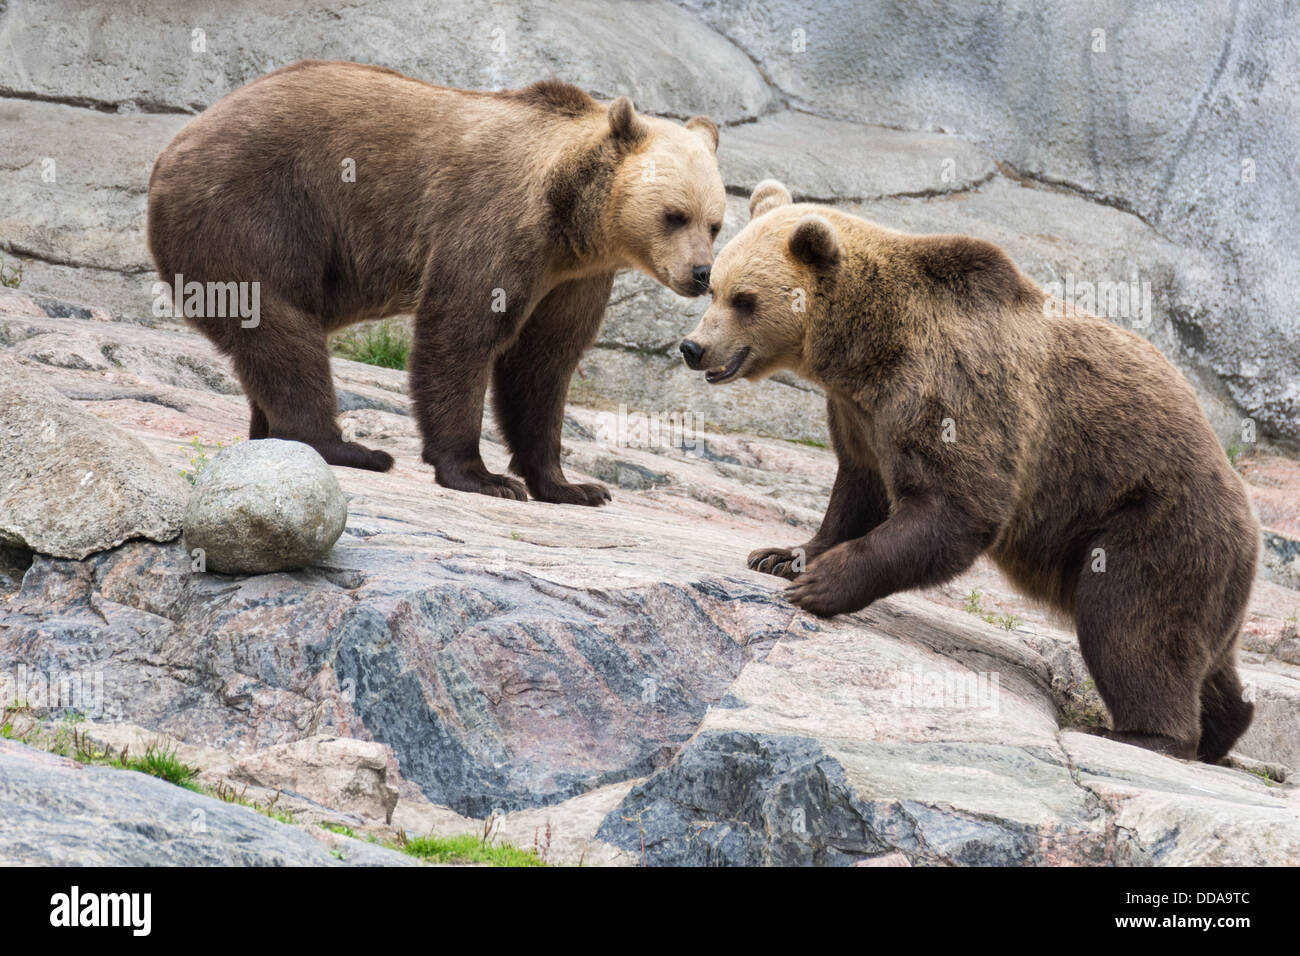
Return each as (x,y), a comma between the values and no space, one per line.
(1147,667)
(1225,714)
(258,427)
(285,370)
(450,362)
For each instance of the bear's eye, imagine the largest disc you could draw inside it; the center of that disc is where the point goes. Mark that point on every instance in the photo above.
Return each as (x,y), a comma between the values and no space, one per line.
(674,220)
(715,229)
(743,303)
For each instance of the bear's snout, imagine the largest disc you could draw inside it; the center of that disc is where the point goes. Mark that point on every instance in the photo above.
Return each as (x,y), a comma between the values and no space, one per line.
(700,275)
(693,353)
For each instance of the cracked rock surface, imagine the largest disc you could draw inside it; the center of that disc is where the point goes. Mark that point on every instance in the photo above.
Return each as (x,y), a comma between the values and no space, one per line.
(596,680)
(1156,151)
(615,687)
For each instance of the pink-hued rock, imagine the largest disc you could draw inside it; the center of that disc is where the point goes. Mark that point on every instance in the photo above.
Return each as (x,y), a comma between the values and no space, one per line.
(616,675)
(889,859)
(342,773)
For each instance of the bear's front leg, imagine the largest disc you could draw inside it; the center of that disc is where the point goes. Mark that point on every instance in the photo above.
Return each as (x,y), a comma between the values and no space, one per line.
(858,502)
(926,541)
(457,335)
(531,382)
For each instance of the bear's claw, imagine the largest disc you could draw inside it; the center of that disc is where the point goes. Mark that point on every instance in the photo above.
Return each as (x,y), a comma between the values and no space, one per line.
(776,561)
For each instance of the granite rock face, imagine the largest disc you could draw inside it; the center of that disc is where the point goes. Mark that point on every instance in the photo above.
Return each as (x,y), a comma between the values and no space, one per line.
(590,684)
(71,484)
(1102,146)
(56,812)
(1184,116)
(617,688)
(163,56)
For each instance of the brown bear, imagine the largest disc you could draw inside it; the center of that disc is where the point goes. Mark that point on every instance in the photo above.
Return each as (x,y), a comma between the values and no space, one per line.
(347,192)
(970,416)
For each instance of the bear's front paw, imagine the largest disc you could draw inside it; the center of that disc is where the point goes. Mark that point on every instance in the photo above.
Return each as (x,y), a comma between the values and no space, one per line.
(564,493)
(830,586)
(782,562)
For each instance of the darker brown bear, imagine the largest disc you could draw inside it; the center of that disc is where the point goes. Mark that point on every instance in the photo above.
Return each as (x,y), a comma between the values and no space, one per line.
(973,415)
(351,192)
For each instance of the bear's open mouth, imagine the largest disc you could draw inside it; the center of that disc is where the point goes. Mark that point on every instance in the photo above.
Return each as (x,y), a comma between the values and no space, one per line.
(715,375)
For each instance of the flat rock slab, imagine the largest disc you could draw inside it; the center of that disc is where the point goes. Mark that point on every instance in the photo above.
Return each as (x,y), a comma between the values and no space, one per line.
(146,57)
(76,182)
(56,812)
(826,160)
(865,740)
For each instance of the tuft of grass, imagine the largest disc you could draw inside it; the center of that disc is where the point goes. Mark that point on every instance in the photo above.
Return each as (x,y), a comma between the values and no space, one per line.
(338,828)
(810,442)
(162,763)
(470,849)
(975,605)
(11,710)
(67,740)
(1265,775)
(227,794)
(386,344)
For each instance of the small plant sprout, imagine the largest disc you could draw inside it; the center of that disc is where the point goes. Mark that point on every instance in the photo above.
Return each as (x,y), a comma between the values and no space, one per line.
(198,458)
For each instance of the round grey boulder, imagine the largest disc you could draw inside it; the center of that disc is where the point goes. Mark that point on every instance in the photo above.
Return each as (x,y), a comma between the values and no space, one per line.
(262,506)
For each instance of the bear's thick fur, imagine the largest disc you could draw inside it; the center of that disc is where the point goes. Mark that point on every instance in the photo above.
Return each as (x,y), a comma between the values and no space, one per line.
(972,416)
(351,192)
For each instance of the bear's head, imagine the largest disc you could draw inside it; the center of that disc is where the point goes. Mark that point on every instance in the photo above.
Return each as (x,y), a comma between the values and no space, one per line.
(667,197)
(821,292)
(764,285)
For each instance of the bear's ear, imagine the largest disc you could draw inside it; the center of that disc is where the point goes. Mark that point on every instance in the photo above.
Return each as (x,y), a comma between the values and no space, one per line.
(624,122)
(814,242)
(706,128)
(767,195)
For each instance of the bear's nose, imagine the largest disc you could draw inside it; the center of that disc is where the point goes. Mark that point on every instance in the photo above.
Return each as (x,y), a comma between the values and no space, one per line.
(693,353)
(701,276)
